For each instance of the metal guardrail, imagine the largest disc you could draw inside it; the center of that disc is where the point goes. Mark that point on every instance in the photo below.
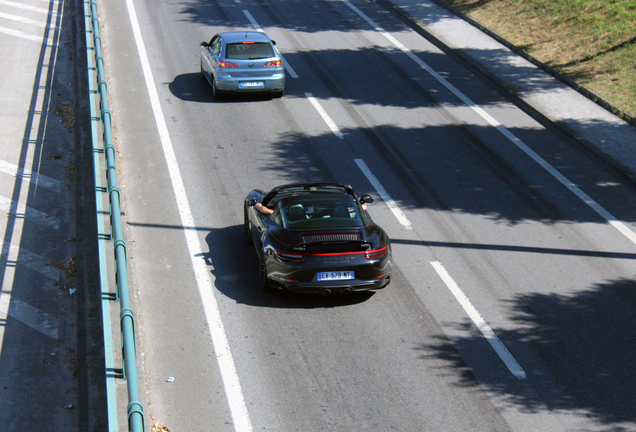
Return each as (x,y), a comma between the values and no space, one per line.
(127,321)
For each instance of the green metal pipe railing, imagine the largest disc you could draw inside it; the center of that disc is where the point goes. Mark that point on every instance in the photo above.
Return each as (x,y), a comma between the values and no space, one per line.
(127,320)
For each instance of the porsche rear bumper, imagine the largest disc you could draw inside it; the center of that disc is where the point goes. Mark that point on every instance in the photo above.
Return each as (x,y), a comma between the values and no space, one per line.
(330,287)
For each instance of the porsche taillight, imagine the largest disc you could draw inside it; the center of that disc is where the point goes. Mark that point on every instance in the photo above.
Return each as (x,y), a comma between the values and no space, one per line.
(376,253)
(289,257)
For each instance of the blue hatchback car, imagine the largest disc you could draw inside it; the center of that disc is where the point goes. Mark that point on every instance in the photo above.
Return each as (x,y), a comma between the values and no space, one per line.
(242,62)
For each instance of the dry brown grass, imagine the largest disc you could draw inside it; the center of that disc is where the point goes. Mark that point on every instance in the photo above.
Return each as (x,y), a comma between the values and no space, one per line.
(591,41)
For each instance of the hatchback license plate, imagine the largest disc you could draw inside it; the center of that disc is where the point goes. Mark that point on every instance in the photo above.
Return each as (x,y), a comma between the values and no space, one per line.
(335,275)
(251,84)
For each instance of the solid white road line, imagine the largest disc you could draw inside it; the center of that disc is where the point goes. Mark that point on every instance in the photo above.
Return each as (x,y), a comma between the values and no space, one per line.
(481,324)
(621,227)
(332,125)
(233,391)
(290,70)
(384,194)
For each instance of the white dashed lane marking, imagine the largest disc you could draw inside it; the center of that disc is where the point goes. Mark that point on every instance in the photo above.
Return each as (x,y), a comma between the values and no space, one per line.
(19,256)
(479,321)
(399,215)
(30,316)
(23,212)
(332,125)
(34,178)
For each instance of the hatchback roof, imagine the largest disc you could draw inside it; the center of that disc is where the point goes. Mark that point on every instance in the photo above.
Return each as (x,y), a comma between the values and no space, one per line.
(237,37)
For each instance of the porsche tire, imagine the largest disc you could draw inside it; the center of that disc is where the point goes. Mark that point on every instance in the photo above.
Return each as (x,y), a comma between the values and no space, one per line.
(265,284)
(246,228)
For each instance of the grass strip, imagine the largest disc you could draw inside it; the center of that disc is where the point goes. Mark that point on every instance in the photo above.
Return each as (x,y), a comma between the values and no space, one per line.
(593,42)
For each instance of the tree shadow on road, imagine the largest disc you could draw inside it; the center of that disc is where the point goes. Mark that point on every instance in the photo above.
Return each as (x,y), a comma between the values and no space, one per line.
(584,341)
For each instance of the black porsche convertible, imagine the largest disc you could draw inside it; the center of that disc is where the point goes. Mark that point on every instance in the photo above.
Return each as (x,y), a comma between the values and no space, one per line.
(316,238)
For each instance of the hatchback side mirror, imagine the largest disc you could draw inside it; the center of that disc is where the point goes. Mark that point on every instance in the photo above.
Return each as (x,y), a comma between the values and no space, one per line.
(366,199)
(203,44)
(251,202)
(273,42)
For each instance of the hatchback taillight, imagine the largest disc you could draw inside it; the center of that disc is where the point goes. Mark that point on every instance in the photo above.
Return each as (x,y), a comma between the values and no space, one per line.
(274,63)
(283,256)
(227,65)
(377,253)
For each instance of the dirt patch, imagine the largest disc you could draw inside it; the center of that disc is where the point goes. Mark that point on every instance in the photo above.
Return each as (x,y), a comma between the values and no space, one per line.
(69,267)
(66,112)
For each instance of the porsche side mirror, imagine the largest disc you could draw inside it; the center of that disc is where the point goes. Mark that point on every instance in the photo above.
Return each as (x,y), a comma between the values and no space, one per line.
(366,199)
(251,202)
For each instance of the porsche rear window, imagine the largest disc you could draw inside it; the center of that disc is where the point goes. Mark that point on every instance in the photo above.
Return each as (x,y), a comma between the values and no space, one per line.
(249,51)
(322,214)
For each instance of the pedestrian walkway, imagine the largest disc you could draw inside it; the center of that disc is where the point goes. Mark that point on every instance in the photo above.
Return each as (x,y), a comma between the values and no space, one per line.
(585,121)
(38,349)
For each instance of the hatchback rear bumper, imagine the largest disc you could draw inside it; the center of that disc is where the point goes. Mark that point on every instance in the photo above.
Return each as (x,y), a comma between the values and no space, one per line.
(271,83)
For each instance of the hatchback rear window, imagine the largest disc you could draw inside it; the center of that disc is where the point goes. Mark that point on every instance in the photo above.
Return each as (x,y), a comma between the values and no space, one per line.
(249,51)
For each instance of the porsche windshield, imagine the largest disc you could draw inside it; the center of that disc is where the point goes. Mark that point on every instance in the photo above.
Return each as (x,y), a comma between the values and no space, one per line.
(295,190)
(331,213)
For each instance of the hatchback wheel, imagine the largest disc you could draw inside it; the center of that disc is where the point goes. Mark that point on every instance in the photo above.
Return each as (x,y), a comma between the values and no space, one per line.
(216,94)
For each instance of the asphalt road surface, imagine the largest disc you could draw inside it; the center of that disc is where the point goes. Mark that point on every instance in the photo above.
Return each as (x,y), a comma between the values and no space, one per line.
(512,305)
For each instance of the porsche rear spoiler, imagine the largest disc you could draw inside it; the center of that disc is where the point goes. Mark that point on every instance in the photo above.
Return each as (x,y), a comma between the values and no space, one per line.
(331,238)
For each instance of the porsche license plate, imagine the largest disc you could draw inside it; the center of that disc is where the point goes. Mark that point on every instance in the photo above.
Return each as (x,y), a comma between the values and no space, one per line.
(335,275)
(251,84)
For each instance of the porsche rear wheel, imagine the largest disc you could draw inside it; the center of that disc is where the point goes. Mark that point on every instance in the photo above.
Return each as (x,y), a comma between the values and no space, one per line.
(265,285)
(246,228)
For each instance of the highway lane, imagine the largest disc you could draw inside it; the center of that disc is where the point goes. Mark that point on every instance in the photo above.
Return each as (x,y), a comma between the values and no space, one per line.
(529,256)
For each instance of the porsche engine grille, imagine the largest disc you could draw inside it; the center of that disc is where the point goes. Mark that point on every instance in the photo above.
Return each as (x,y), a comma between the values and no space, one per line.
(319,238)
